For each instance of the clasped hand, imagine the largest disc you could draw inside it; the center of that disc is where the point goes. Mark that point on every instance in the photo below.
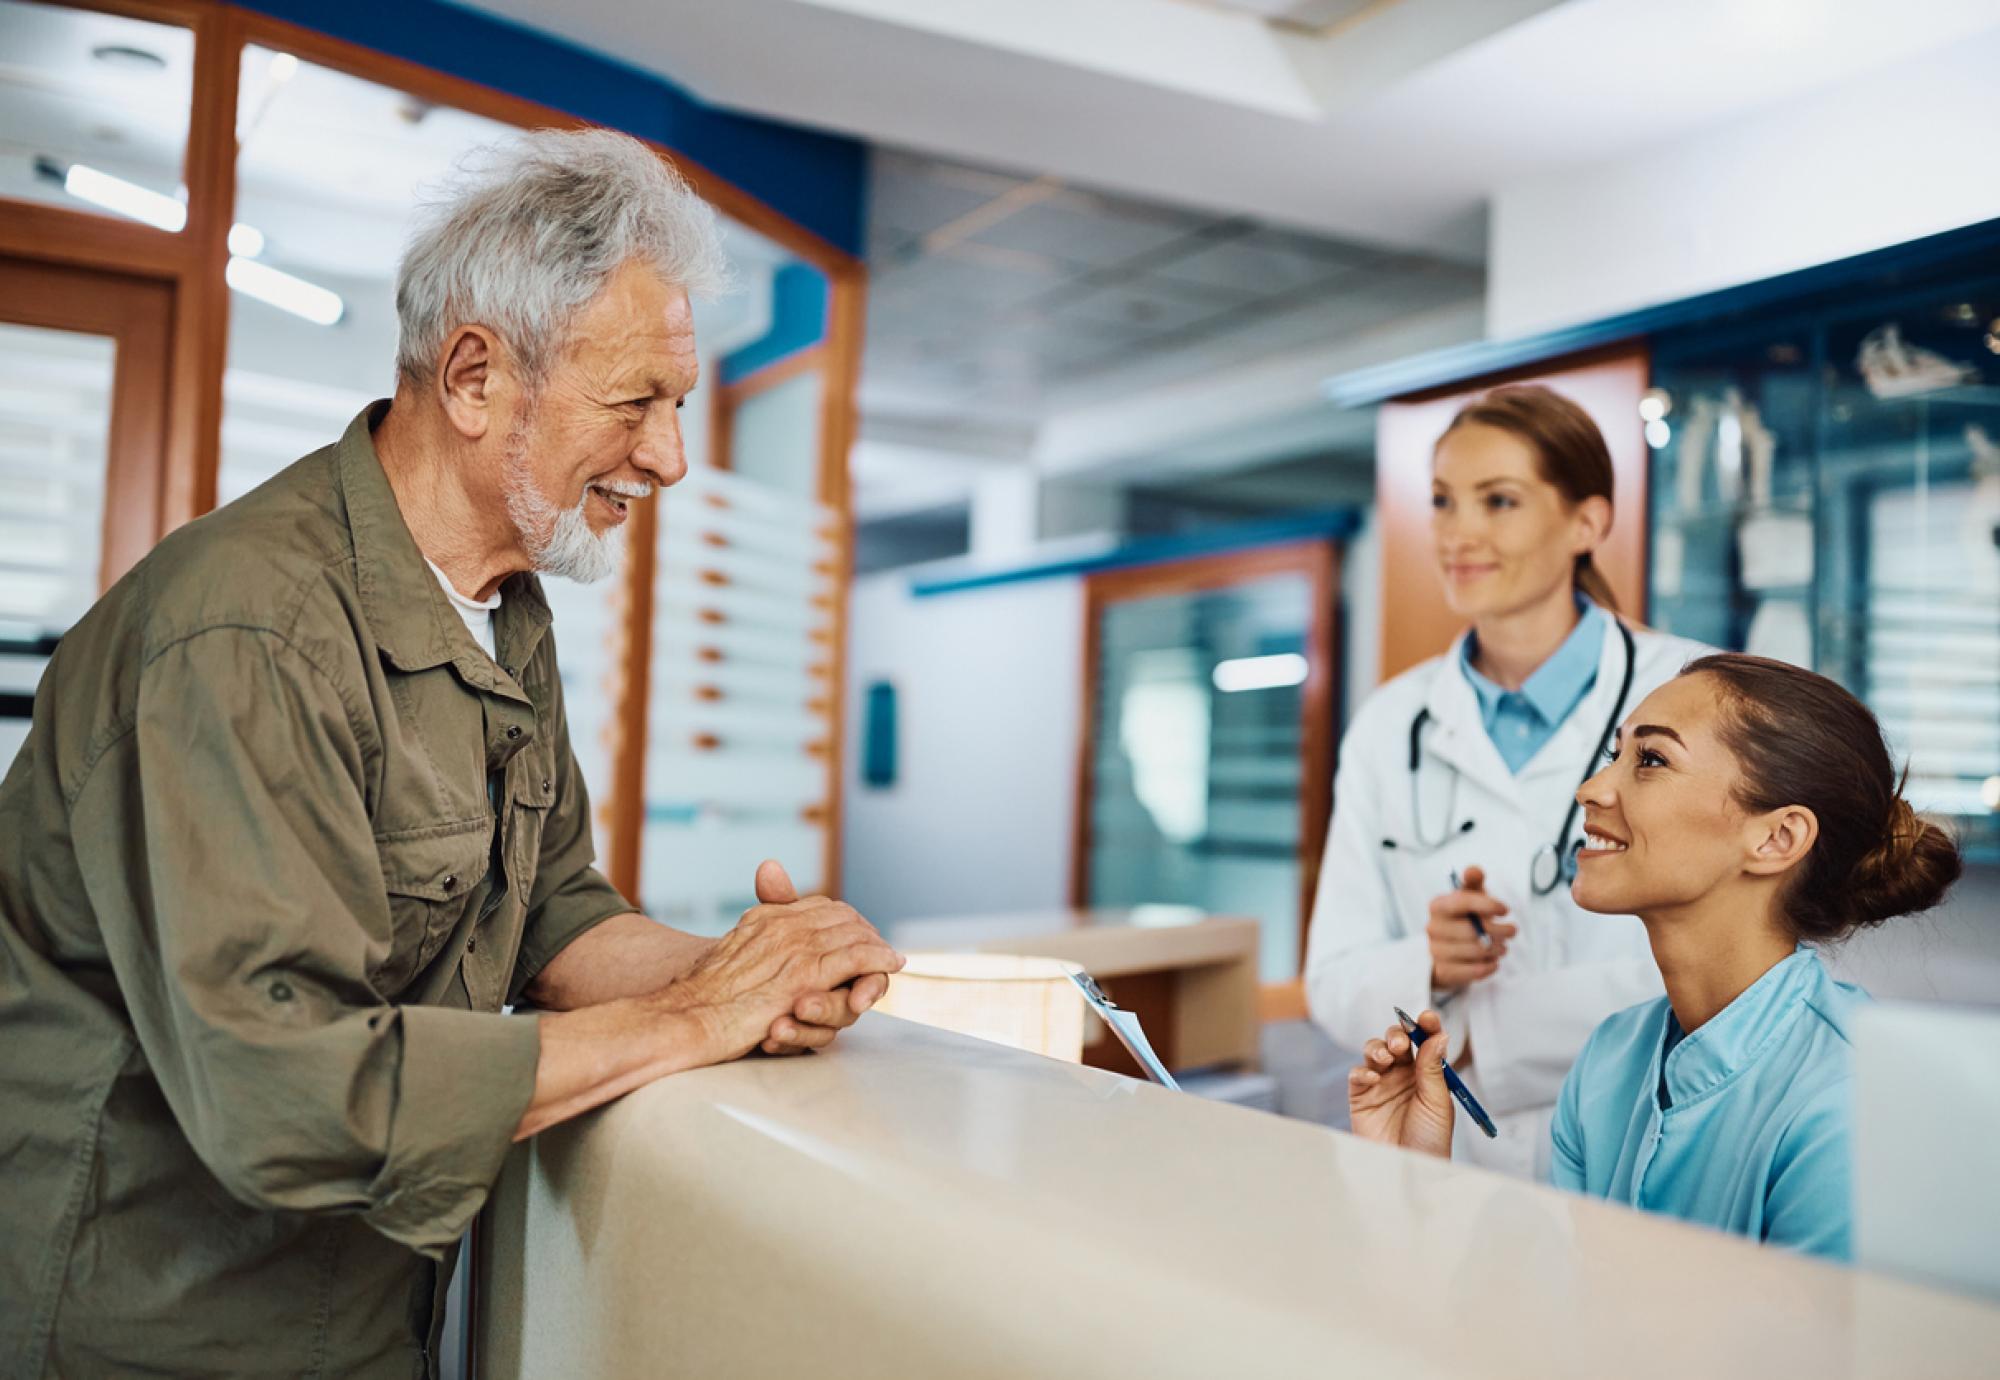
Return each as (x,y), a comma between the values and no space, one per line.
(790,976)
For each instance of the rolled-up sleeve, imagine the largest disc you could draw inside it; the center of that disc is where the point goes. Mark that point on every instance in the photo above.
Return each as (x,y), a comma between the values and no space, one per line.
(228,856)
(570,896)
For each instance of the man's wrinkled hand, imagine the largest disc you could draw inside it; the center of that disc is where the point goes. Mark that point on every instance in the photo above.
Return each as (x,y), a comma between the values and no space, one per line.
(817,1017)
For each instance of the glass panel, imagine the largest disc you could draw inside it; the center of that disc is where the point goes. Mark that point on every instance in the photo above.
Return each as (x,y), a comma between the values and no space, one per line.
(1909,486)
(55,410)
(1733,545)
(741,709)
(776,435)
(1195,772)
(1827,491)
(94,111)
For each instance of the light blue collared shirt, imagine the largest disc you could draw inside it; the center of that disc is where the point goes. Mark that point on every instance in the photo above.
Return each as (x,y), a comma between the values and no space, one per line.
(1758,1134)
(1520,721)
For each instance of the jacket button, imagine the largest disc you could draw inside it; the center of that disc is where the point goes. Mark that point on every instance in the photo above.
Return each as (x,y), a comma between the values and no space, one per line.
(450,881)
(513,731)
(471,944)
(546,783)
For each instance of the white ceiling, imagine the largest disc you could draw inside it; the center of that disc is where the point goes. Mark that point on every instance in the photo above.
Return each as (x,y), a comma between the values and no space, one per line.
(1393,125)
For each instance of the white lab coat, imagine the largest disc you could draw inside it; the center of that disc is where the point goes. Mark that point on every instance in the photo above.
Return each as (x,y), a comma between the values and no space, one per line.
(1565,971)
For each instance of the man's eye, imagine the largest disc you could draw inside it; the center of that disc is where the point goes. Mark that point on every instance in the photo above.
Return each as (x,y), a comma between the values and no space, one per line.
(1439,501)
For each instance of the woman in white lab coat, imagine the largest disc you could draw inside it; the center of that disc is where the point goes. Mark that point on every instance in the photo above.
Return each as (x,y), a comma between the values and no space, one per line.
(1457,780)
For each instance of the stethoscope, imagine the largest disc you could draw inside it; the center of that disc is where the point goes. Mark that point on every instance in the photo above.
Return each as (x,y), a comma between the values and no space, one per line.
(1554,864)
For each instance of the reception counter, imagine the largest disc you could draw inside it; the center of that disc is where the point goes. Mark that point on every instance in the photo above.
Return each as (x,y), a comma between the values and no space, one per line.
(919,1204)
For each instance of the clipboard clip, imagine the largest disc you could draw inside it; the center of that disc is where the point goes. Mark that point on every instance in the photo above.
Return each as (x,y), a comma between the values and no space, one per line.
(1125,1026)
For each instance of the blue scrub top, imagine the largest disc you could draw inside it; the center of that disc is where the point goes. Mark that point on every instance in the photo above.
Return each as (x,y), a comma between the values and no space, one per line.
(1521,721)
(1757,1135)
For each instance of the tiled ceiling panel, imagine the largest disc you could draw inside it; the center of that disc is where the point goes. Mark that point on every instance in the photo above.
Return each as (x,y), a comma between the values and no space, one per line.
(993,295)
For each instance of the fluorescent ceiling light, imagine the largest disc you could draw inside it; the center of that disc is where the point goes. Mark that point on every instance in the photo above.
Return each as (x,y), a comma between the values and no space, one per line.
(246,240)
(1260,672)
(283,291)
(126,198)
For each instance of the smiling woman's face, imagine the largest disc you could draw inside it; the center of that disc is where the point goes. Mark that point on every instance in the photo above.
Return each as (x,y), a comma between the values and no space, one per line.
(1661,821)
(1505,537)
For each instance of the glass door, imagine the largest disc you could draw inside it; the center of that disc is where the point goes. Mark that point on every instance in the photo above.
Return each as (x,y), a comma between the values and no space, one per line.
(1208,758)
(83,400)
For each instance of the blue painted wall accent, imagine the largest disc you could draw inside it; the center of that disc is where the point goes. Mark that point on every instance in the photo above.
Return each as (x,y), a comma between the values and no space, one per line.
(1332,524)
(818,180)
(1802,288)
(798,321)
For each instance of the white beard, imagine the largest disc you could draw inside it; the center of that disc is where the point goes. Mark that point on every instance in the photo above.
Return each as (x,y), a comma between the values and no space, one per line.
(559,540)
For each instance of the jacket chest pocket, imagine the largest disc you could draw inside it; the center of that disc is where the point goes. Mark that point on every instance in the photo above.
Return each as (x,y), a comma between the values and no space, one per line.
(531,789)
(434,878)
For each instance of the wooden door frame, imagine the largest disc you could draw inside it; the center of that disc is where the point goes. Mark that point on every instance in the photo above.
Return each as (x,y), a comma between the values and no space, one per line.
(192,263)
(1317,560)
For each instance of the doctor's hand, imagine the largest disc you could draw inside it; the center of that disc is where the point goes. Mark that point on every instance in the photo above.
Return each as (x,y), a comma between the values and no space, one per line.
(780,980)
(818,1016)
(1458,956)
(1397,1093)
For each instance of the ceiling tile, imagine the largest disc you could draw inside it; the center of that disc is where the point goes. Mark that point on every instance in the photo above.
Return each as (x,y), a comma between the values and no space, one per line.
(1145,305)
(1094,232)
(1260,264)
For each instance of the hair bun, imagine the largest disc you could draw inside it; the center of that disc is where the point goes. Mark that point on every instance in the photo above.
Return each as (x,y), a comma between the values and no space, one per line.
(1911,870)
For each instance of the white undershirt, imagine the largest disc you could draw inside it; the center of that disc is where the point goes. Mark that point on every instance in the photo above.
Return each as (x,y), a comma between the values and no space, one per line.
(478,614)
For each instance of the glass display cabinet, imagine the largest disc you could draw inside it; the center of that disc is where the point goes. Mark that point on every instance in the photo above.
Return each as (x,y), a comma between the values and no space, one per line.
(1826,490)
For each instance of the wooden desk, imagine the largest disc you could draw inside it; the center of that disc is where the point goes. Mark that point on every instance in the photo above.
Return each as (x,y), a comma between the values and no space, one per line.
(1190,978)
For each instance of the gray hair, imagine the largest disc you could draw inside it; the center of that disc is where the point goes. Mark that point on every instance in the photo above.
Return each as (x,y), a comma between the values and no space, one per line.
(523,234)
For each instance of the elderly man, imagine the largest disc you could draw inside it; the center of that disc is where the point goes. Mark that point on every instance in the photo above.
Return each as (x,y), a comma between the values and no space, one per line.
(298,817)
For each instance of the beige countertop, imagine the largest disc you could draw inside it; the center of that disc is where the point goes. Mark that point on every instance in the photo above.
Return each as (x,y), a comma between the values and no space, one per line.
(915,1203)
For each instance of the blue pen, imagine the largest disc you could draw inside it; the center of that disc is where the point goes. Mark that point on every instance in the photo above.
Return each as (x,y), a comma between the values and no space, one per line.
(1464,1095)
(1472,915)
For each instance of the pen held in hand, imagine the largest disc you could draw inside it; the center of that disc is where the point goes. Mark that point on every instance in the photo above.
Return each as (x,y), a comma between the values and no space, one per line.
(1477,924)
(1464,1095)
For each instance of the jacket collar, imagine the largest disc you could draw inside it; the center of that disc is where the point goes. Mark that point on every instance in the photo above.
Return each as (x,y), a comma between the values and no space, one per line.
(407,612)
(1738,1035)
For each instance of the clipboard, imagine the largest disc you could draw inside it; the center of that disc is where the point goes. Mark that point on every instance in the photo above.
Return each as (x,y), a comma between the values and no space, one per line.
(1125,1026)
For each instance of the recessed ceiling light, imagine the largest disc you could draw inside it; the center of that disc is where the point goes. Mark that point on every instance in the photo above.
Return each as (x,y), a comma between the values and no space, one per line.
(126,58)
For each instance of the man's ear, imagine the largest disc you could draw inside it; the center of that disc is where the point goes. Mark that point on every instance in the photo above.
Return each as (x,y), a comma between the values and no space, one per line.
(468,381)
(1778,840)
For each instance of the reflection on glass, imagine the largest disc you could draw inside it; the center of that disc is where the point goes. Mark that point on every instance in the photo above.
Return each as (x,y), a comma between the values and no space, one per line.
(55,409)
(1195,775)
(94,111)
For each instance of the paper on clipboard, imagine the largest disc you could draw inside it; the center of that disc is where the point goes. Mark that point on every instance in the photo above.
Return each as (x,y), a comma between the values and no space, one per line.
(1125,1026)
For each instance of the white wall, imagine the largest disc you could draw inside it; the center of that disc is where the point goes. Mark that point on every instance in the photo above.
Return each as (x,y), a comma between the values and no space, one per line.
(1890,156)
(987,688)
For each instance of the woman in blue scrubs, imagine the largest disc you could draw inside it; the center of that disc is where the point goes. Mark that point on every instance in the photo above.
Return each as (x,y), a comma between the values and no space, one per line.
(1749,812)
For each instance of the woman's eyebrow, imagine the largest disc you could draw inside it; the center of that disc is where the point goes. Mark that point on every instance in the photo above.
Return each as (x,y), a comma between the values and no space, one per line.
(1656,730)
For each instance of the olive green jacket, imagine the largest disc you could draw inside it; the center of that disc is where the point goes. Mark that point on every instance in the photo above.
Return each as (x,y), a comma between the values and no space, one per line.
(281,843)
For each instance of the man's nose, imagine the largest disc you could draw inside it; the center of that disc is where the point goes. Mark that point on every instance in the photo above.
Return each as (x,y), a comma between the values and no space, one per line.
(660,453)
